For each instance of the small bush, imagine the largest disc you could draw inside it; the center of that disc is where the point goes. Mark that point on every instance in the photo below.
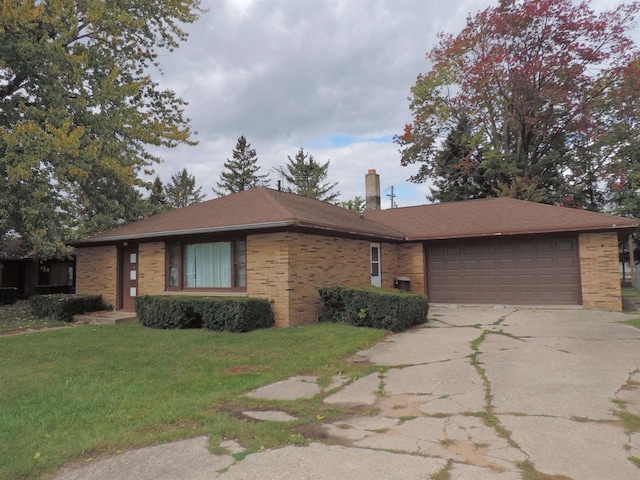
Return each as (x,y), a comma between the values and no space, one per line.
(232,314)
(62,308)
(8,295)
(371,307)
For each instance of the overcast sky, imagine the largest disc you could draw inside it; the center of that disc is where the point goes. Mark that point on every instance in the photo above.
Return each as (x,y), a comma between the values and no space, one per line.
(327,75)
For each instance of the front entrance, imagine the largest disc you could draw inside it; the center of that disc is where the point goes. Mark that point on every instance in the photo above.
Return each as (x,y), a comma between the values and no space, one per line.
(128,276)
(376,273)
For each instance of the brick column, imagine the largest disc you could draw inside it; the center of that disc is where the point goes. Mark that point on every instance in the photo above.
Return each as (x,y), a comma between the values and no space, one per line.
(600,270)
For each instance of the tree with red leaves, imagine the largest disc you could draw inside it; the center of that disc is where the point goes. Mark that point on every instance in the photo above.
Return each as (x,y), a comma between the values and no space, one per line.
(538,81)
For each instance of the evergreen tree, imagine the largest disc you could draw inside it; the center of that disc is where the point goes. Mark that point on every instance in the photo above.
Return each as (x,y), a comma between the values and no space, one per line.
(181,190)
(458,167)
(242,170)
(308,178)
(356,204)
(157,200)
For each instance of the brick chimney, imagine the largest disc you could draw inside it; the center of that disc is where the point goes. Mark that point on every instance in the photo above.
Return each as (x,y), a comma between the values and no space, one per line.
(372,190)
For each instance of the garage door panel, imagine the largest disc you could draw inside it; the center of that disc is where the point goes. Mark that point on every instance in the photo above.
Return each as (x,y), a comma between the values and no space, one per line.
(569,263)
(564,246)
(471,281)
(470,265)
(486,248)
(436,266)
(504,270)
(524,247)
(522,263)
(487,264)
(544,246)
(545,263)
(566,279)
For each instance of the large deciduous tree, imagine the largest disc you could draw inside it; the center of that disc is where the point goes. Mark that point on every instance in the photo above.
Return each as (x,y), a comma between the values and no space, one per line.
(533,78)
(242,172)
(308,178)
(78,111)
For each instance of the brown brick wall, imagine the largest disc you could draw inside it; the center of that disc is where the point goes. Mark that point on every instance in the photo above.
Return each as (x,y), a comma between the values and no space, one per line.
(268,272)
(288,268)
(411,263)
(151,268)
(318,262)
(97,272)
(599,271)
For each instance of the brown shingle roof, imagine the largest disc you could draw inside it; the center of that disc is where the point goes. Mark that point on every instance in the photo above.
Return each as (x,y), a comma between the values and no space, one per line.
(495,216)
(257,208)
(263,208)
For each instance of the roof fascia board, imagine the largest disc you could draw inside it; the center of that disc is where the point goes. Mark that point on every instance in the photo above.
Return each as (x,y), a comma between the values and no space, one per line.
(614,228)
(351,233)
(194,231)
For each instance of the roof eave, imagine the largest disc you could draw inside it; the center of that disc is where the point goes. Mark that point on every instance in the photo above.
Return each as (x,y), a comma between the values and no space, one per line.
(351,232)
(621,230)
(192,231)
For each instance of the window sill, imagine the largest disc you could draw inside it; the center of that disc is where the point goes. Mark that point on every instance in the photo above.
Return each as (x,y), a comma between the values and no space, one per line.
(204,293)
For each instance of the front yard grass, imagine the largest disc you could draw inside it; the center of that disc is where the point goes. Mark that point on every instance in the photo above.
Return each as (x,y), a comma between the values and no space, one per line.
(18,317)
(94,390)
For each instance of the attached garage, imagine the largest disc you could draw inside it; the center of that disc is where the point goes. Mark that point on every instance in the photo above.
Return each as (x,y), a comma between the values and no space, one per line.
(507,251)
(540,270)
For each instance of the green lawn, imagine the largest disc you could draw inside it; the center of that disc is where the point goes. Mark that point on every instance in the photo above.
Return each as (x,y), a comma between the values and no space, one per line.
(630,292)
(634,322)
(18,317)
(94,390)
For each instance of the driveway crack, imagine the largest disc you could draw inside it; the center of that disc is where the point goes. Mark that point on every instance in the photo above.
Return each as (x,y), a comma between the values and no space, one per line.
(489,417)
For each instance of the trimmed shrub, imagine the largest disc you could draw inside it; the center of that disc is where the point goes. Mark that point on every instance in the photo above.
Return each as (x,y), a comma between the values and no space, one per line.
(62,308)
(373,307)
(231,314)
(8,295)
(166,312)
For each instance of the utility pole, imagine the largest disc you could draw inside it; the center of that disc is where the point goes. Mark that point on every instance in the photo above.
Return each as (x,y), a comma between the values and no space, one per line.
(392,195)
(632,262)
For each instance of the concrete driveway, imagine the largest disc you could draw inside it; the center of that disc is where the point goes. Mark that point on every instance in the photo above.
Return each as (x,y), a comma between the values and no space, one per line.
(479,393)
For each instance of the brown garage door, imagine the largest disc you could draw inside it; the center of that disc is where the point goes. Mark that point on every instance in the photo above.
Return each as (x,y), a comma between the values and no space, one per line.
(530,271)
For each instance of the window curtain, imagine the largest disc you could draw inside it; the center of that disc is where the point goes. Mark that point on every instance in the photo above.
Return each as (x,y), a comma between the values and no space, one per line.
(207,265)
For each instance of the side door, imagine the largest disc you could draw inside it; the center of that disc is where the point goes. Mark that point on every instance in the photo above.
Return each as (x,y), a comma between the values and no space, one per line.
(376,270)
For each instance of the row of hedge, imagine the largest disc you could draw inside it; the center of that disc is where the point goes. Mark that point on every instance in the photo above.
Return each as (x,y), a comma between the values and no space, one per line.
(62,307)
(231,314)
(8,295)
(372,307)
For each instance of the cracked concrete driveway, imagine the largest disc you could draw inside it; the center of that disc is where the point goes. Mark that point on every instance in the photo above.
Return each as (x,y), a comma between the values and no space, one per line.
(478,393)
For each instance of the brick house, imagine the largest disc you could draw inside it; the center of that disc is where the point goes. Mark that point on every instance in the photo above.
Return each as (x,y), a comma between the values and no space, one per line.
(280,246)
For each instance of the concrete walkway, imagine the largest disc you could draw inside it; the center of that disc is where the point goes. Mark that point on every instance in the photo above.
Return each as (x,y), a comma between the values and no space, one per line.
(480,393)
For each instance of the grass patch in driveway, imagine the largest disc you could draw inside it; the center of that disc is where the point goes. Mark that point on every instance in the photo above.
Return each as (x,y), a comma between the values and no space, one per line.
(96,389)
(634,322)
(18,317)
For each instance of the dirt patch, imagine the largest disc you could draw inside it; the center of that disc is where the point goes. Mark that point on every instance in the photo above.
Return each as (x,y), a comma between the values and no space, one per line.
(402,405)
(315,431)
(358,359)
(630,385)
(469,452)
(241,369)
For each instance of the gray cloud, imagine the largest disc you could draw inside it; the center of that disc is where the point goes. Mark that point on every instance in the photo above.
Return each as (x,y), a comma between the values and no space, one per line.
(291,73)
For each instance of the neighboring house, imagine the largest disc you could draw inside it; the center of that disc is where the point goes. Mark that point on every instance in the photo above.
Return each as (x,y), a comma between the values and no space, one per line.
(18,270)
(280,246)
